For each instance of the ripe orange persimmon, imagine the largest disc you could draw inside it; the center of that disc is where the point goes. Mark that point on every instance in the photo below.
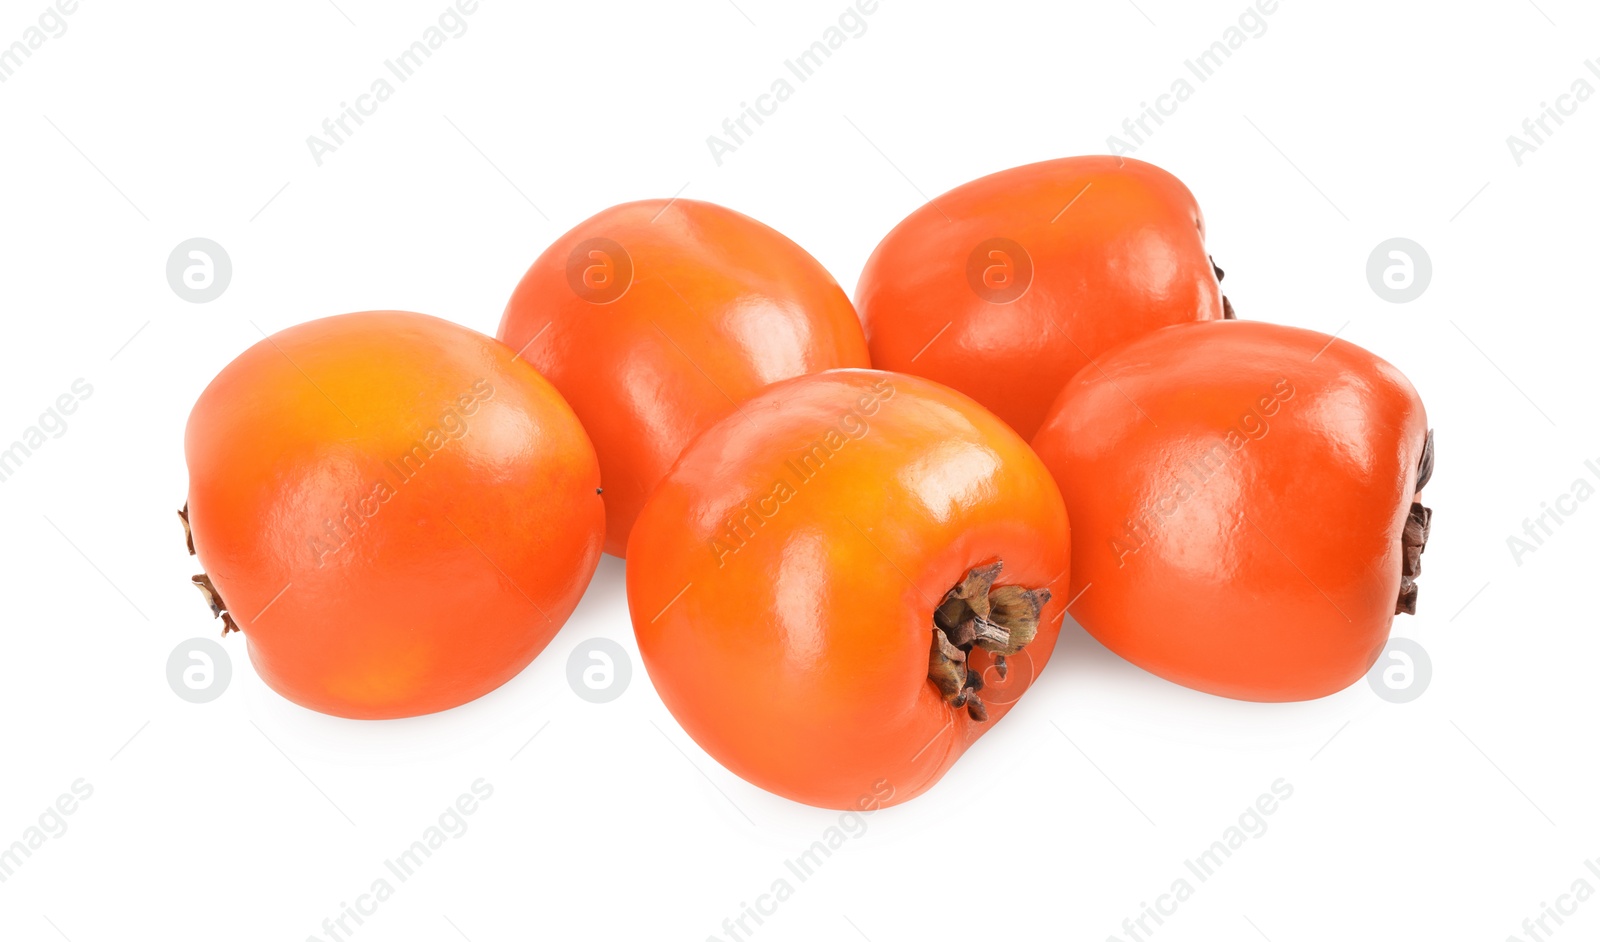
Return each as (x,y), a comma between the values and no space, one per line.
(837,589)
(1246,505)
(656,318)
(396,511)
(1005,287)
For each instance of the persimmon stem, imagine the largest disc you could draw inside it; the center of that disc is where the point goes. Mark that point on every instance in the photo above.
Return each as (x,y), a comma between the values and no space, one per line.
(975,613)
(1227,306)
(219,608)
(188,534)
(1414,538)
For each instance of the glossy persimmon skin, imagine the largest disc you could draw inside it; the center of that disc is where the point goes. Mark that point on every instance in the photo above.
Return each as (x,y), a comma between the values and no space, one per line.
(717,307)
(1238,492)
(398,513)
(1116,247)
(795,650)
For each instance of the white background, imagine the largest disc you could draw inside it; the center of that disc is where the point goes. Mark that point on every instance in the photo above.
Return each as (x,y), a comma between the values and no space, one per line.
(1455,816)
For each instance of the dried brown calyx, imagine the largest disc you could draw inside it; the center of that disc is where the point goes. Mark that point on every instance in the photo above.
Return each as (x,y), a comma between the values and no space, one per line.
(978,614)
(188,535)
(219,608)
(1227,306)
(1414,538)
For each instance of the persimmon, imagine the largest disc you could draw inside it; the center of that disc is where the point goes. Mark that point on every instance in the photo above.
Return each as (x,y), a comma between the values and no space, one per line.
(396,511)
(1007,286)
(1246,505)
(657,318)
(840,587)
